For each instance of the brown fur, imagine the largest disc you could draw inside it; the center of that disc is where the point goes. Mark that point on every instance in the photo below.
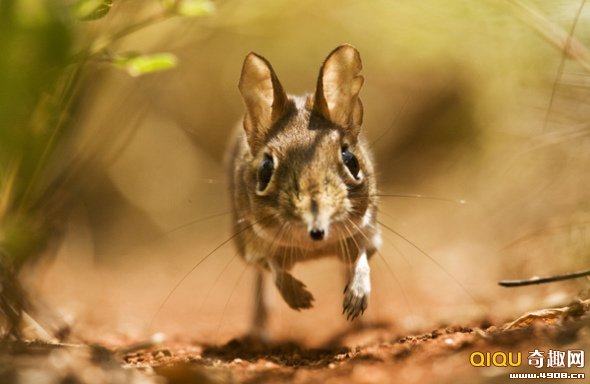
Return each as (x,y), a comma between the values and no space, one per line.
(310,185)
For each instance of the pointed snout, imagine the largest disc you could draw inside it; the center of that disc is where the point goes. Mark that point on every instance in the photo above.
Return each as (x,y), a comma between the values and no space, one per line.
(315,210)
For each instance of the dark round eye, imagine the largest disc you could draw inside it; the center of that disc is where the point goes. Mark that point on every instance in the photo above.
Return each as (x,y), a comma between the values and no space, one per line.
(265,172)
(351,162)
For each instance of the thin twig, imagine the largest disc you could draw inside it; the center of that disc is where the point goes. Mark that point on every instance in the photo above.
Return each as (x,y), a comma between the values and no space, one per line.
(543,280)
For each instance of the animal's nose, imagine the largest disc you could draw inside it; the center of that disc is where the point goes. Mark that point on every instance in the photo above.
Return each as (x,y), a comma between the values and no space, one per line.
(317,234)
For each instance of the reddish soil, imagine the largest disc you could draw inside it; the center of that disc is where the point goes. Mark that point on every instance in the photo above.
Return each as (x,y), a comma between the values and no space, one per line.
(372,354)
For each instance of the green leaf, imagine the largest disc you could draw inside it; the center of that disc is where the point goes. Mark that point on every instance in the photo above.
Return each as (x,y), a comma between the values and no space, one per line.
(137,65)
(91,9)
(194,8)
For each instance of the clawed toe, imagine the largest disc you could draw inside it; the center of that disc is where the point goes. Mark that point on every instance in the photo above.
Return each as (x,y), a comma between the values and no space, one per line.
(354,304)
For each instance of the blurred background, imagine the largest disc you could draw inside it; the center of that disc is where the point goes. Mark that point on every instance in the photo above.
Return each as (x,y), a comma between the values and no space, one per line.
(114,185)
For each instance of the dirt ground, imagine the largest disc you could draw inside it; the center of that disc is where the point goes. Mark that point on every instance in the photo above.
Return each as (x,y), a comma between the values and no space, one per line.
(131,326)
(372,353)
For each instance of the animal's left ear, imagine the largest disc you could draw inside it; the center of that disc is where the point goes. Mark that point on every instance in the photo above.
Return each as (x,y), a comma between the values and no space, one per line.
(337,93)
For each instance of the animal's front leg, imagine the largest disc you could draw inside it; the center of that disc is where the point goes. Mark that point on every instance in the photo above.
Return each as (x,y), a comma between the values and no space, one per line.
(292,290)
(358,289)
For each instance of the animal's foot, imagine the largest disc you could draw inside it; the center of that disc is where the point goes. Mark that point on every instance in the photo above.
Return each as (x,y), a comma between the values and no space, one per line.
(358,289)
(356,300)
(293,291)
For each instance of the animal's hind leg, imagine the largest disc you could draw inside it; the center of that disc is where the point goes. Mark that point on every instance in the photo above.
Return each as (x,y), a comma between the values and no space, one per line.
(259,328)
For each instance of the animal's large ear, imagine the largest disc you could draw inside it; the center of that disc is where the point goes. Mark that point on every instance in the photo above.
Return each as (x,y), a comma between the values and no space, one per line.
(337,93)
(263,96)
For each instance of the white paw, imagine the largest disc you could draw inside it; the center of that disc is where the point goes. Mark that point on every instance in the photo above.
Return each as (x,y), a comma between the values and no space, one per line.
(358,290)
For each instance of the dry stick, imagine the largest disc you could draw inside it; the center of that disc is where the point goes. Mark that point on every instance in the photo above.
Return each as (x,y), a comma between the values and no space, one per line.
(543,280)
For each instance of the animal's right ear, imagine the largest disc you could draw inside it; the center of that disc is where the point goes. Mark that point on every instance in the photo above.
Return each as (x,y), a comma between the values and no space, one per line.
(263,96)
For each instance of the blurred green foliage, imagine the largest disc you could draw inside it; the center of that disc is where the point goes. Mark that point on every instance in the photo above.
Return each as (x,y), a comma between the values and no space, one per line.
(137,65)
(40,76)
(91,9)
(46,52)
(35,41)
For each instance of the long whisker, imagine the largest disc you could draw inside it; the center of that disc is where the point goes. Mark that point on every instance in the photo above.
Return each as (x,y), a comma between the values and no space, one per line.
(276,241)
(286,250)
(159,238)
(302,255)
(273,246)
(291,258)
(214,284)
(386,131)
(396,248)
(358,248)
(251,238)
(170,293)
(289,252)
(439,265)
(344,244)
(424,197)
(200,219)
(229,299)
(344,248)
(411,196)
(287,228)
